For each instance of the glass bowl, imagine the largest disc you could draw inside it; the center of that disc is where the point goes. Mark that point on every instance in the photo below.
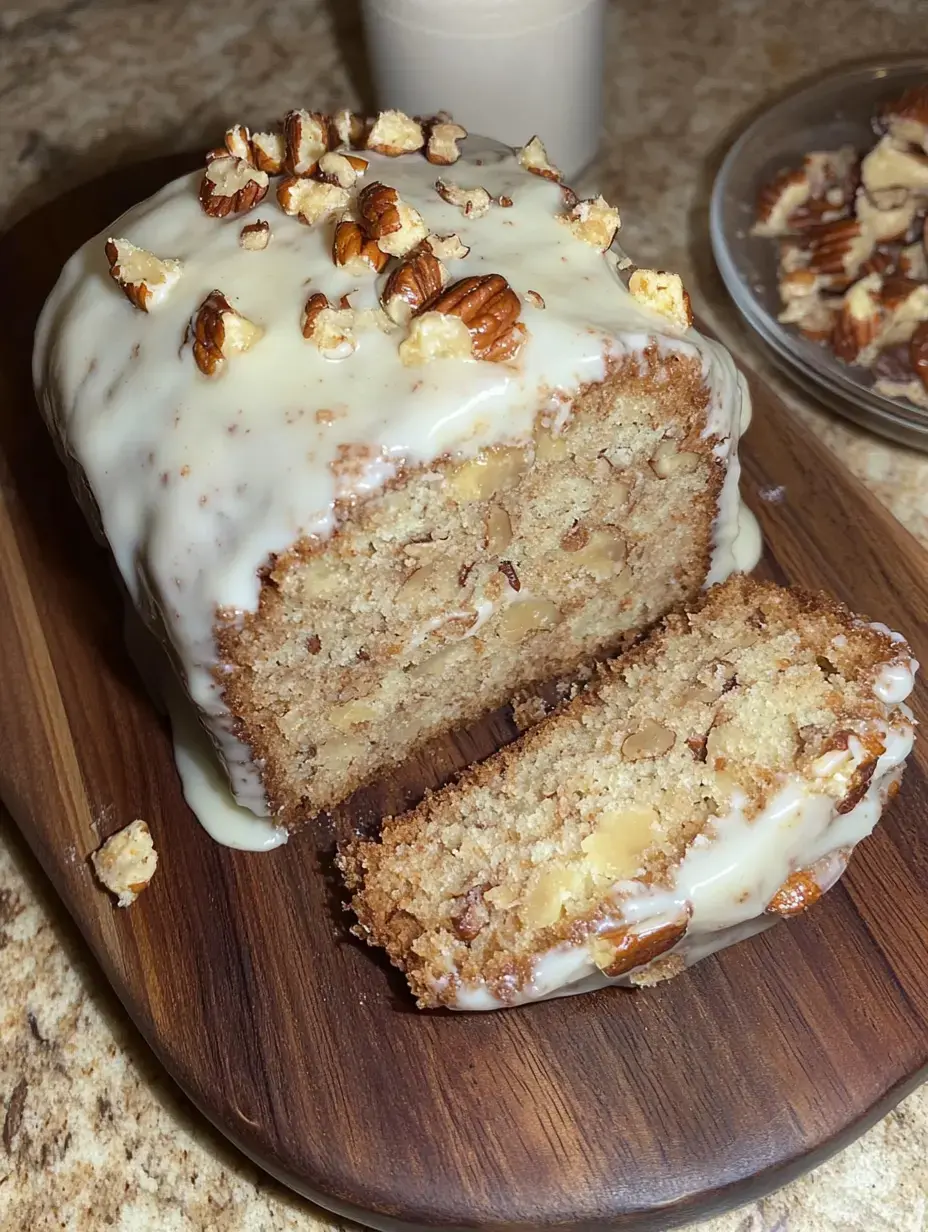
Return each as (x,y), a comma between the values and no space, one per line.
(835,111)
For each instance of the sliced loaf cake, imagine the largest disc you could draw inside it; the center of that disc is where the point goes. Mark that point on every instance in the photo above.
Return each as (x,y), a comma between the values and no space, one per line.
(710,781)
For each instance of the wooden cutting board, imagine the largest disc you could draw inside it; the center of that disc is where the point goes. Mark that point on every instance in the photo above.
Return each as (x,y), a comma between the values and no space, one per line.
(628,1110)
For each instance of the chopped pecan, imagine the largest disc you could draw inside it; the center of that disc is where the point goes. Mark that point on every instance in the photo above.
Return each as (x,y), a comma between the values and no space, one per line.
(433,335)
(534,157)
(490,309)
(231,186)
(630,949)
(385,217)
(886,222)
(663,293)
(448,247)
(472,202)
(857,789)
(238,143)
(330,329)
(311,201)
(470,913)
(507,569)
(890,165)
(415,281)
(594,221)
(535,299)
(218,332)
(307,139)
(394,133)
(143,278)
(837,250)
(340,169)
(346,129)
(269,151)
(906,118)
(442,145)
(352,250)
(255,236)
(859,319)
(798,892)
(918,353)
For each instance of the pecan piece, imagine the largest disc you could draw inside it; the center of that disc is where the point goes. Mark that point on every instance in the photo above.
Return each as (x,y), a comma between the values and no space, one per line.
(346,129)
(330,329)
(918,353)
(906,118)
(340,169)
(663,293)
(415,281)
(238,142)
(534,157)
(490,309)
(837,250)
(394,133)
(353,251)
(595,222)
(859,320)
(448,247)
(624,949)
(385,217)
(307,138)
(255,236)
(143,278)
(218,332)
(890,165)
(472,202)
(442,145)
(798,892)
(470,913)
(433,335)
(311,201)
(231,186)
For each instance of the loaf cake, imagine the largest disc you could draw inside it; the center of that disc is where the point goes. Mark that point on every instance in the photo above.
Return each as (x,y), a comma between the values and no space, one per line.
(715,778)
(381,429)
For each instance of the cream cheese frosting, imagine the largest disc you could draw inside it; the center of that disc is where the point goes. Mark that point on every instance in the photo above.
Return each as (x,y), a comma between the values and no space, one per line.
(199,480)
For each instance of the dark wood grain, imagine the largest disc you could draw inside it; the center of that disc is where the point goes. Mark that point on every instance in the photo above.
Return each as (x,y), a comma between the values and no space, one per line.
(623,1110)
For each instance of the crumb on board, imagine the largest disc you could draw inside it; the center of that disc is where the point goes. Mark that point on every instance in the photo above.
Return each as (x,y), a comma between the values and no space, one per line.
(126,862)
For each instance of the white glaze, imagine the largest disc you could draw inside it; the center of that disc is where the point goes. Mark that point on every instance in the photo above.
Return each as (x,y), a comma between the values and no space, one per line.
(729,875)
(199,480)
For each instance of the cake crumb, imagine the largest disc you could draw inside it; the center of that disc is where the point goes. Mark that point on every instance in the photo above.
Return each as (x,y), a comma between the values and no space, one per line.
(126,862)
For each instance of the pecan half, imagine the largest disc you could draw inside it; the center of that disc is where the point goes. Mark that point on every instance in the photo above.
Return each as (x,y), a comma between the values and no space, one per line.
(353,251)
(442,145)
(490,309)
(534,157)
(143,278)
(415,281)
(307,139)
(218,332)
(231,186)
(394,133)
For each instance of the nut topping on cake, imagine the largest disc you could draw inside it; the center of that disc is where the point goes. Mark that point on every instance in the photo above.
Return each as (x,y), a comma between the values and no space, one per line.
(442,145)
(472,202)
(231,186)
(797,893)
(420,277)
(341,169)
(255,236)
(395,133)
(353,251)
(269,152)
(534,299)
(385,217)
(663,293)
(448,247)
(145,279)
(238,143)
(434,335)
(126,862)
(311,201)
(307,137)
(330,329)
(534,158)
(594,221)
(490,309)
(346,129)
(218,332)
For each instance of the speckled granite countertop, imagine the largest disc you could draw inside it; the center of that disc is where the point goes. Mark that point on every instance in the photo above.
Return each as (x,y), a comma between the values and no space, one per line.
(93,1134)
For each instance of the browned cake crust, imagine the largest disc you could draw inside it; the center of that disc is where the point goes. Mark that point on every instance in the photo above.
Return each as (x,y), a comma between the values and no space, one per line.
(368,645)
(756,683)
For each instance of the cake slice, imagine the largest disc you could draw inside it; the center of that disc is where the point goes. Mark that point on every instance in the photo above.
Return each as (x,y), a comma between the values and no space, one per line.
(713,779)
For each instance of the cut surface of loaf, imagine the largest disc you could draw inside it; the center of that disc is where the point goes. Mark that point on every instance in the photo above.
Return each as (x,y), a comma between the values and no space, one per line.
(712,780)
(403,443)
